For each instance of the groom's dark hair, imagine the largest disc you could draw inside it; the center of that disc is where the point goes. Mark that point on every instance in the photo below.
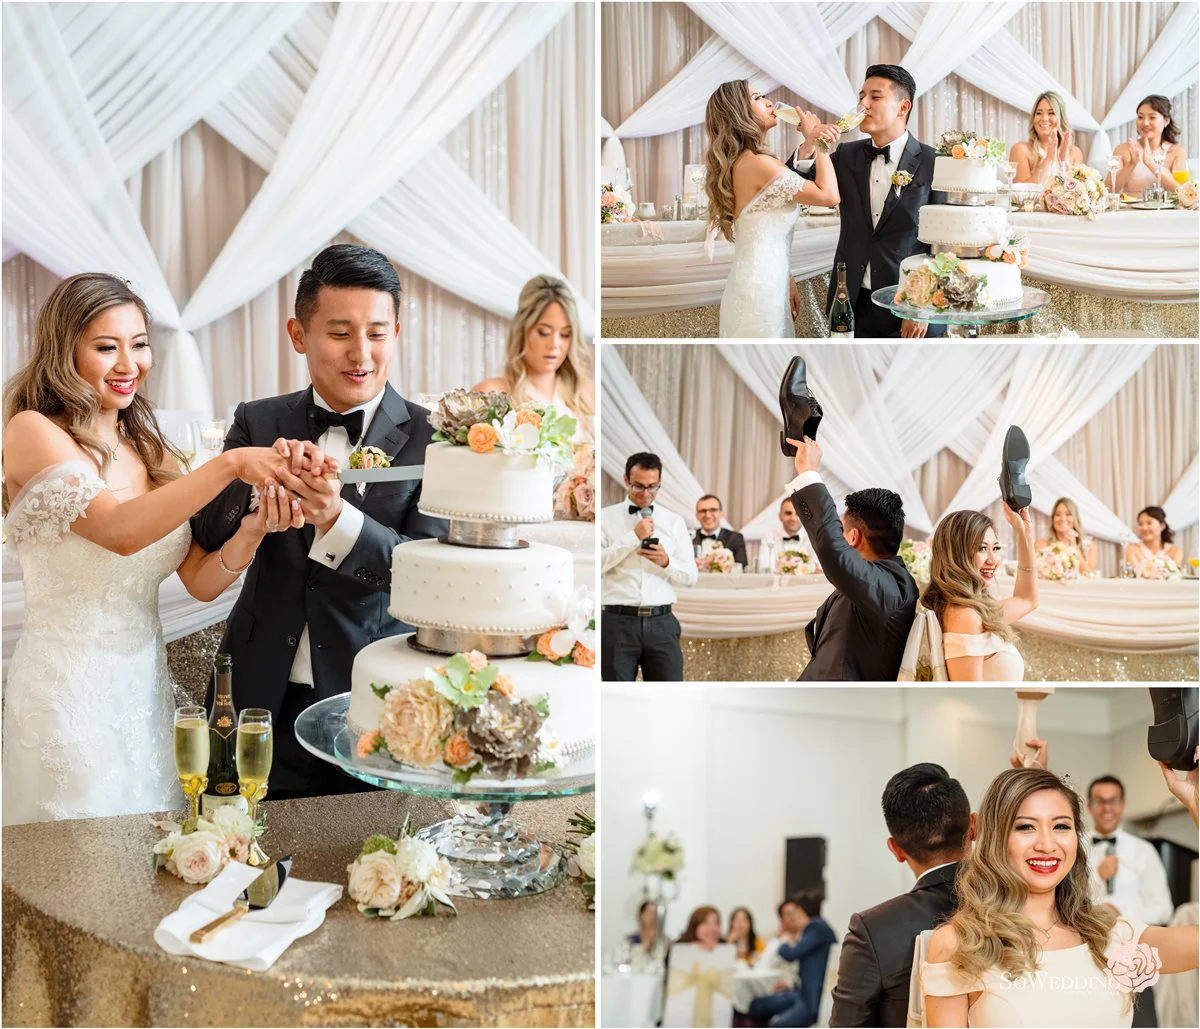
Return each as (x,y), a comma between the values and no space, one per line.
(346,266)
(927,813)
(905,86)
(880,512)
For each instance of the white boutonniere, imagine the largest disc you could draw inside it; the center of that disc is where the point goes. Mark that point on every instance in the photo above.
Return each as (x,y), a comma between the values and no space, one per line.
(901,179)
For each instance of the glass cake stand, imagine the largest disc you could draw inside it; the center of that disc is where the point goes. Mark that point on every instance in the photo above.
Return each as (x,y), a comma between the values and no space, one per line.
(965,324)
(490,855)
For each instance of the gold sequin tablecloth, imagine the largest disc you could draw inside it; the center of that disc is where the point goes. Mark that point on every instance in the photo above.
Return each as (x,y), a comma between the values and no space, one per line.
(81,903)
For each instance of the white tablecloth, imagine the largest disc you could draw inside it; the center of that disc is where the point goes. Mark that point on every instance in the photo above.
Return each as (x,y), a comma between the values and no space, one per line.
(749,983)
(1142,255)
(630,999)
(1130,616)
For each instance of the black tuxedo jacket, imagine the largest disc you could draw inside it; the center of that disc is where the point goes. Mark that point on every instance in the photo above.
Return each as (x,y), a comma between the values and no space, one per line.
(885,245)
(860,631)
(730,540)
(877,953)
(284,590)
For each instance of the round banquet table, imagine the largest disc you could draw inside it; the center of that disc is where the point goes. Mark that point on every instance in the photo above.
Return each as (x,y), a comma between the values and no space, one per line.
(81,903)
(1128,272)
(751,628)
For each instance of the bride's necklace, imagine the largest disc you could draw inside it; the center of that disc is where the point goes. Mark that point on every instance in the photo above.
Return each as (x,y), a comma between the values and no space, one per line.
(1049,929)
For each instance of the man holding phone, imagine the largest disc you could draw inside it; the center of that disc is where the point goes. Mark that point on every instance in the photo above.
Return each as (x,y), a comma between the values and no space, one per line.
(645,552)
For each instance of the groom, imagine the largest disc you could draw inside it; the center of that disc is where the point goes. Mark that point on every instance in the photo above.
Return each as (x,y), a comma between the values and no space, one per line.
(879,228)
(860,631)
(314,596)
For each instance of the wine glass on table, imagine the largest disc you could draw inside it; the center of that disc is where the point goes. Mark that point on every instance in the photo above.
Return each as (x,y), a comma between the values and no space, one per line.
(254,751)
(1008,171)
(185,440)
(191,753)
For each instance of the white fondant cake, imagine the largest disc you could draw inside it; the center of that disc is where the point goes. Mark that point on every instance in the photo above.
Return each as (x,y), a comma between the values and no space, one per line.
(962,226)
(963,175)
(468,589)
(494,487)
(392,662)
(1003,280)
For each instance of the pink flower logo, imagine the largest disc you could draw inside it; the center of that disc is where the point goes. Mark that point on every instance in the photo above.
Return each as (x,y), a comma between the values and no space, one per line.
(1133,967)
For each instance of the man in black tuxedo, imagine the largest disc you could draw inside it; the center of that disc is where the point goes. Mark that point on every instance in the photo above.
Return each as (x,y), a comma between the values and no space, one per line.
(708,514)
(860,631)
(929,818)
(879,228)
(316,595)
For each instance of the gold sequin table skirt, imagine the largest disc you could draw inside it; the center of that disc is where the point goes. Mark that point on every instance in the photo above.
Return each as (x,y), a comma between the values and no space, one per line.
(81,904)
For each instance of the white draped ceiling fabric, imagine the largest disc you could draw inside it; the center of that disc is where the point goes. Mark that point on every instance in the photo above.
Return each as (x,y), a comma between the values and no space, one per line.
(349,135)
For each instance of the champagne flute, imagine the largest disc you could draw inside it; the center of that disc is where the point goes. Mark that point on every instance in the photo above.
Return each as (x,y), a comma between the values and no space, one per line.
(185,440)
(254,752)
(191,753)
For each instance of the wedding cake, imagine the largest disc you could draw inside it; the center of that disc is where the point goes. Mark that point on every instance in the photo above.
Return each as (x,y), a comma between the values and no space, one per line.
(976,261)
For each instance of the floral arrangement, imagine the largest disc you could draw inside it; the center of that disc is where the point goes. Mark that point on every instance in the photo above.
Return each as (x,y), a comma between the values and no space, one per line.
(576,643)
(1185,196)
(575,498)
(488,421)
(466,715)
(1081,191)
(658,855)
(718,560)
(942,282)
(399,878)
(612,207)
(369,457)
(967,146)
(582,863)
(794,562)
(199,849)
(1159,567)
(1058,562)
(917,556)
(901,179)
(1015,251)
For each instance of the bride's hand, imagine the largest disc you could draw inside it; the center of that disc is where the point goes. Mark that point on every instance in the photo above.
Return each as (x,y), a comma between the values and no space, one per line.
(254,465)
(1185,789)
(1022,525)
(809,123)
(277,511)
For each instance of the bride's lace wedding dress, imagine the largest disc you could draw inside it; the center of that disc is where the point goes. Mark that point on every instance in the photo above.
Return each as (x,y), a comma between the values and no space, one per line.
(89,711)
(757,299)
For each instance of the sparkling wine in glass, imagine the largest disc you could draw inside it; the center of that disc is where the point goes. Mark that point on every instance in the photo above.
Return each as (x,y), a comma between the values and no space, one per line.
(191,753)
(185,440)
(787,113)
(846,123)
(255,750)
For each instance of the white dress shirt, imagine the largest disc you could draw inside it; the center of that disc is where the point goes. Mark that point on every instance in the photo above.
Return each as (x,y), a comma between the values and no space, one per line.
(330,548)
(775,535)
(629,579)
(1140,886)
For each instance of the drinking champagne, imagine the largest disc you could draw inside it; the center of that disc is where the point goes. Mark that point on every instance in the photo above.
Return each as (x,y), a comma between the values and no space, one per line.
(222,786)
(846,123)
(787,113)
(841,315)
(191,753)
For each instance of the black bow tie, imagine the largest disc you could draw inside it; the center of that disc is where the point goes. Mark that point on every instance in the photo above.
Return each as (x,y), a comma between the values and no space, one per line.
(634,509)
(880,151)
(706,536)
(1104,839)
(321,418)
(787,539)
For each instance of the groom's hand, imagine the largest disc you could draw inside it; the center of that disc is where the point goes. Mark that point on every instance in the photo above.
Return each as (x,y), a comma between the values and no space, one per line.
(808,454)
(320,498)
(304,455)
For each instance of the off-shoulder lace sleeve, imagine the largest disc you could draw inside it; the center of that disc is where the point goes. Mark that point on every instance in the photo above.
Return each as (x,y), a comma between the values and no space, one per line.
(779,192)
(51,501)
(942,979)
(971,644)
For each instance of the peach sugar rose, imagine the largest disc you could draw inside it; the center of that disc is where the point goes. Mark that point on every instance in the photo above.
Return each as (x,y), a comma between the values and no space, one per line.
(544,648)
(415,719)
(458,752)
(482,438)
(529,417)
(476,661)
(583,657)
(504,685)
(958,151)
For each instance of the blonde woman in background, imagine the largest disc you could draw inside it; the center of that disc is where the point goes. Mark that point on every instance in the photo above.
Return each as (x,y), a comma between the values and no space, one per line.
(1049,141)
(1066,527)
(1026,945)
(545,360)
(976,627)
(752,202)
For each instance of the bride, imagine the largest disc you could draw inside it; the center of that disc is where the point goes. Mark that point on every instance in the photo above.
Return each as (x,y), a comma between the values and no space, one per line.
(99,518)
(976,627)
(752,200)
(544,360)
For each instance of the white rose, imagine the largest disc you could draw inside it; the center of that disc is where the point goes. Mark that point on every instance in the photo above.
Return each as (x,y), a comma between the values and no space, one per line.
(199,856)
(230,820)
(375,880)
(416,859)
(587,856)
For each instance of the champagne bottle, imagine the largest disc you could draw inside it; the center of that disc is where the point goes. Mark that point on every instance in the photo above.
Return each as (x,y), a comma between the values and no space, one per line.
(222,785)
(841,315)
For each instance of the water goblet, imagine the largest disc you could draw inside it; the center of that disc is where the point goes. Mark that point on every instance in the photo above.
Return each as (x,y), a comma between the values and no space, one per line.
(254,752)
(191,753)
(212,436)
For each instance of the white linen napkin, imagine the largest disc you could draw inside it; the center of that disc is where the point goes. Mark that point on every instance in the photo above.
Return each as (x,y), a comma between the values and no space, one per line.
(257,939)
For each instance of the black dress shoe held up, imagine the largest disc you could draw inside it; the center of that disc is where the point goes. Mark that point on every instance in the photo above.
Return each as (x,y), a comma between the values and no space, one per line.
(1172,736)
(1013,486)
(801,412)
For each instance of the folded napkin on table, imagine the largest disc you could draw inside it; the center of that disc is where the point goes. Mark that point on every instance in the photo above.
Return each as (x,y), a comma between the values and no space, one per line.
(257,939)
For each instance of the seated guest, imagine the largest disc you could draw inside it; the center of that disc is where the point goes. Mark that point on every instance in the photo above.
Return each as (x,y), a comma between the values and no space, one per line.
(789,534)
(742,935)
(1049,141)
(786,933)
(1066,527)
(710,533)
(1156,537)
(703,928)
(1156,130)
(646,938)
(799,1005)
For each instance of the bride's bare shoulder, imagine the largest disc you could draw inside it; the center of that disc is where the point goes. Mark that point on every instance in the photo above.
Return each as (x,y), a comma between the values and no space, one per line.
(961,619)
(32,441)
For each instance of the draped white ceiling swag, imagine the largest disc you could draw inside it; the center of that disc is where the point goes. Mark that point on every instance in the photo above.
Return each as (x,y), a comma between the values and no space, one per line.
(878,430)
(795,45)
(92,92)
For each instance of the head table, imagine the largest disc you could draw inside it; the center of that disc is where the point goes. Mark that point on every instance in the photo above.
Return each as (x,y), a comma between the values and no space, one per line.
(751,627)
(81,904)
(1128,272)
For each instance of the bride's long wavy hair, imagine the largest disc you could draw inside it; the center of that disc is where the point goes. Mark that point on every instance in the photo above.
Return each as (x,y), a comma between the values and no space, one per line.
(991,926)
(732,131)
(954,581)
(50,384)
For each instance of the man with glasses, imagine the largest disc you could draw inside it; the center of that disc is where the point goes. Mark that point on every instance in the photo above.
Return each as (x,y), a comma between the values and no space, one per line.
(645,552)
(710,533)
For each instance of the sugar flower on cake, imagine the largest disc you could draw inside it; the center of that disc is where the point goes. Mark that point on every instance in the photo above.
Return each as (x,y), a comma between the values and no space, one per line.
(460,409)
(399,878)
(575,643)
(1159,567)
(1015,251)
(537,432)
(488,421)
(1058,562)
(968,146)
(942,282)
